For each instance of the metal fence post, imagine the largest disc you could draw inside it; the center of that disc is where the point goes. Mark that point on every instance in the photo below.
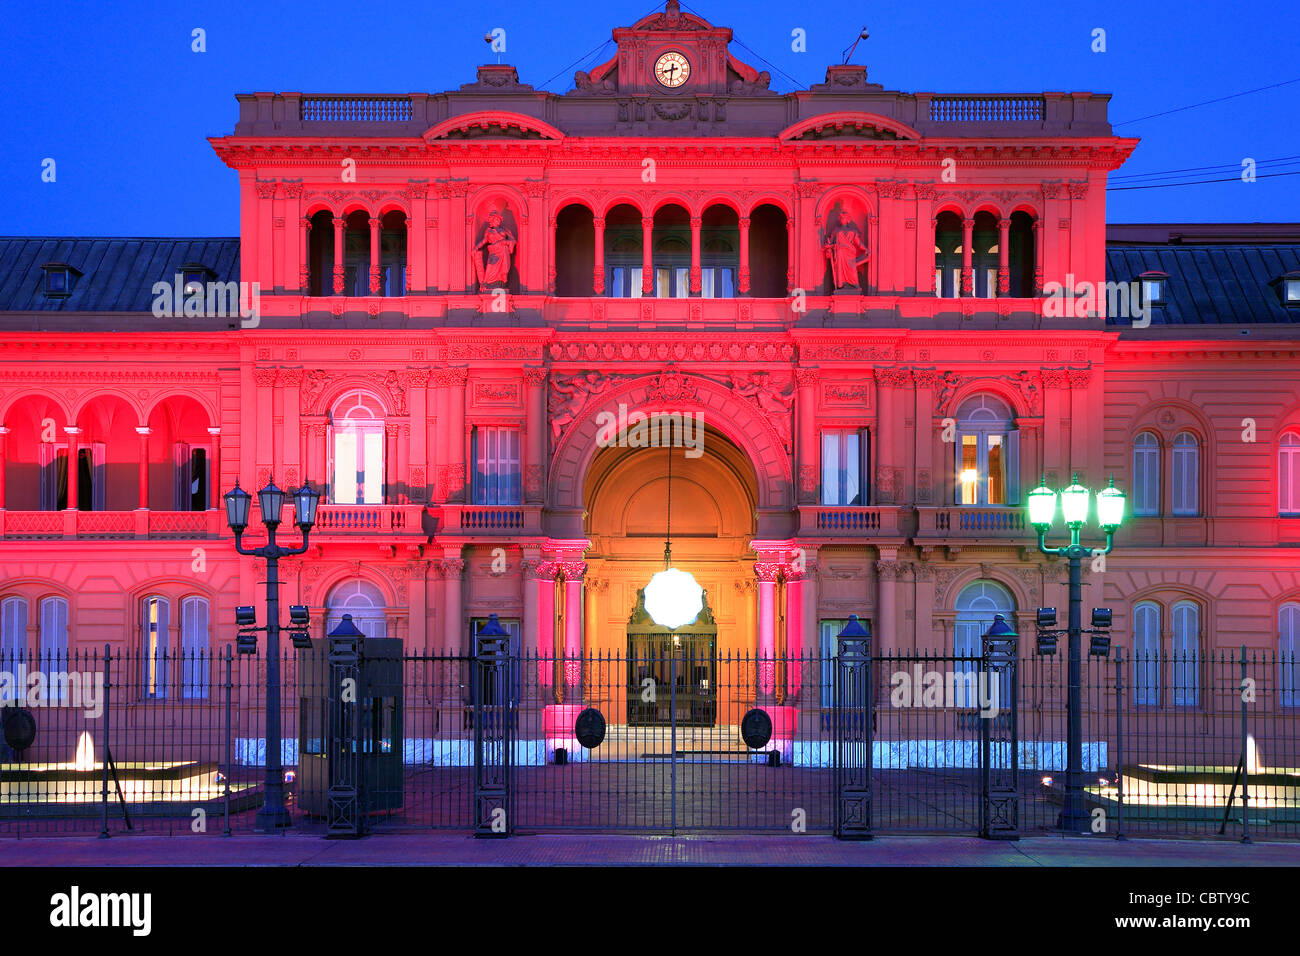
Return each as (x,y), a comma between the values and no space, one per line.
(852,748)
(103,744)
(493,750)
(1245,762)
(1000,816)
(345,812)
(1119,744)
(229,739)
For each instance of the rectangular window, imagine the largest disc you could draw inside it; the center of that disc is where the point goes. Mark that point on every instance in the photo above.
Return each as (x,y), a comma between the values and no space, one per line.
(717,282)
(828,648)
(358,465)
(844,464)
(54,643)
(1186,655)
(1288,475)
(497,467)
(1146,476)
(192,476)
(53,482)
(13,633)
(672,282)
(1186,490)
(625,282)
(987,467)
(154,650)
(194,649)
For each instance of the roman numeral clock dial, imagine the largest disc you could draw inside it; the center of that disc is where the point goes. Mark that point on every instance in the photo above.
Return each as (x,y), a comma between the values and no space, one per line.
(672,69)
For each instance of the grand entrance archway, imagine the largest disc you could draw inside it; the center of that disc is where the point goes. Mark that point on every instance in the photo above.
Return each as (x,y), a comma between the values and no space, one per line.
(672,676)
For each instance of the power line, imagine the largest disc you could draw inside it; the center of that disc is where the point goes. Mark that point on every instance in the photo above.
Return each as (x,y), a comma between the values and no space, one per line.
(1230,96)
(1199,182)
(1201,169)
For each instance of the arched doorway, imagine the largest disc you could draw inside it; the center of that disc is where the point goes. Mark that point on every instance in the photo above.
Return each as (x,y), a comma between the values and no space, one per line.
(671,675)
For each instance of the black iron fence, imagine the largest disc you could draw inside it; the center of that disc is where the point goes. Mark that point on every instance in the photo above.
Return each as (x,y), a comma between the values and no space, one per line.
(114,742)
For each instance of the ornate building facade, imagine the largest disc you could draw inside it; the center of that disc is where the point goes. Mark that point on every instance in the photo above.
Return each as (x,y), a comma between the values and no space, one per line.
(848,289)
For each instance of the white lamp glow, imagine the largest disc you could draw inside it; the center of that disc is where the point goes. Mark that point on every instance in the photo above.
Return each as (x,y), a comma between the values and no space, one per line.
(673,598)
(1074,503)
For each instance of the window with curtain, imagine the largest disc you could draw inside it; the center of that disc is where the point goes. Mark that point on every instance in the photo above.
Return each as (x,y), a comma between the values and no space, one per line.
(844,466)
(1146,474)
(357,449)
(154,637)
(828,646)
(987,464)
(1186,475)
(497,469)
(192,476)
(194,648)
(54,642)
(53,476)
(672,263)
(1186,654)
(1146,653)
(13,634)
(1288,655)
(623,265)
(1288,474)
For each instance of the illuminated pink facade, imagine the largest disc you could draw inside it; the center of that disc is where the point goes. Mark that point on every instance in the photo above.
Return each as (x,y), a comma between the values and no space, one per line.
(845,283)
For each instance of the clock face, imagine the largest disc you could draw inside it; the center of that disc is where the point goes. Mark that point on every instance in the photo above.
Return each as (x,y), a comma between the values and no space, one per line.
(672,69)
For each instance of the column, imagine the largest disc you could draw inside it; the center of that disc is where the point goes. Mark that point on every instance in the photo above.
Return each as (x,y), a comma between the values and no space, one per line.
(72,431)
(338,255)
(696,222)
(392,472)
(454,435)
(967,237)
(1038,256)
(403,482)
(573,621)
(543,636)
(535,435)
(743,282)
(319,468)
(598,272)
(304,260)
(647,258)
(1004,256)
(437,441)
(3,439)
(453,568)
(888,474)
(418,451)
(806,447)
(418,603)
(290,446)
(767,572)
(529,596)
(143,493)
(374,255)
(885,630)
(215,480)
(789,256)
(800,640)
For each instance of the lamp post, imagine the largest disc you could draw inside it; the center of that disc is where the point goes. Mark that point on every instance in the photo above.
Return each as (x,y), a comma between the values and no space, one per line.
(273,814)
(1074,502)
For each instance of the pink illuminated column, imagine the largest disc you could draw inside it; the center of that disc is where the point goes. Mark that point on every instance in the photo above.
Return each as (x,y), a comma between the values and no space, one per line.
(1004,256)
(789,256)
(696,223)
(797,639)
(598,271)
(338,255)
(143,483)
(214,481)
(391,468)
(453,436)
(967,276)
(453,567)
(543,636)
(535,435)
(806,447)
(885,636)
(72,431)
(304,261)
(1038,257)
(744,256)
(768,573)
(4,432)
(647,255)
(573,620)
(374,256)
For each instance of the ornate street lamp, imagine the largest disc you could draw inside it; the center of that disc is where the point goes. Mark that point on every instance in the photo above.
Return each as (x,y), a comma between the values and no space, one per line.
(1074,502)
(673,598)
(273,814)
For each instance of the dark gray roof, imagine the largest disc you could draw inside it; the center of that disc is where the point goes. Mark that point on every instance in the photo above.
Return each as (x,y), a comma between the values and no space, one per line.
(117,274)
(1209,284)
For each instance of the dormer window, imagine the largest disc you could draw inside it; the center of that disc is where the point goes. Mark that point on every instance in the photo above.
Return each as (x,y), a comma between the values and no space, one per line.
(59,279)
(1289,288)
(1153,287)
(195,273)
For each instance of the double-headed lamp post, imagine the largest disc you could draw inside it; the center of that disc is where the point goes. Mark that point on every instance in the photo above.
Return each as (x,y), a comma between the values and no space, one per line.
(1075,501)
(273,814)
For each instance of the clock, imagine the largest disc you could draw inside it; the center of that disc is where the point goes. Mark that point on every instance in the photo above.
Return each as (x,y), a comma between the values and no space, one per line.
(672,69)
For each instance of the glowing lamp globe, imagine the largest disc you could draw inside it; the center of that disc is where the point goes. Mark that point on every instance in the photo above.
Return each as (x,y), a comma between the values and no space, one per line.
(1074,503)
(1042,507)
(1110,507)
(673,599)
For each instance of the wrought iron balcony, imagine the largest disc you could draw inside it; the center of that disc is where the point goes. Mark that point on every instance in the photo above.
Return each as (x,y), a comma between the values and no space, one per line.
(847,521)
(970,523)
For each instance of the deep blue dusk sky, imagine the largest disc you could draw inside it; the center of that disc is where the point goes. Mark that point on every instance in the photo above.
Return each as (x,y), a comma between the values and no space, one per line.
(114,94)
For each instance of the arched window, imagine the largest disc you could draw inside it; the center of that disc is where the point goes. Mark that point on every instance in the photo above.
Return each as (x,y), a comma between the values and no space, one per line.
(194,648)
(356,254)
(155,620)
(54,642)
(976,605)
(357,449)
(1288,655)
(985,255)
(1288,474)
(987,466)
(363,601)
(392,253)
(13,633)
(320,254)
(1186,654)
(1146,653)
(947,255)
(1146,474)
(1186,475)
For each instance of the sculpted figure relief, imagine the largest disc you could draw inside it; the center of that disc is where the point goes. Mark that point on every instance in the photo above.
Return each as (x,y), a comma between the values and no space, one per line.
(570,396)
(758,388)
(846,251)
(492,264)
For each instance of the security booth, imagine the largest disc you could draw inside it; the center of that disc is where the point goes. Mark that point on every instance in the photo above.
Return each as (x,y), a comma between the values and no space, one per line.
(350,742)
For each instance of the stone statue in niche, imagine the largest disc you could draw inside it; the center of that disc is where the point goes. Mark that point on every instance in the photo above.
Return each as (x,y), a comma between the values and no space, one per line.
(846,251)
(494,252)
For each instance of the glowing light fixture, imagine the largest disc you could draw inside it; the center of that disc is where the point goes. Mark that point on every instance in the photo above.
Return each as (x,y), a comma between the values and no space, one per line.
(1074,504)
(673,598)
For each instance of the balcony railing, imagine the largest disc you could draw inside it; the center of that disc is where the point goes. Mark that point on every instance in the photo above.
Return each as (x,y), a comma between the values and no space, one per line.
(334,519)
(849,521)
(140,523)
(356,109)
(490,519)
(988,109)
(972,522)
